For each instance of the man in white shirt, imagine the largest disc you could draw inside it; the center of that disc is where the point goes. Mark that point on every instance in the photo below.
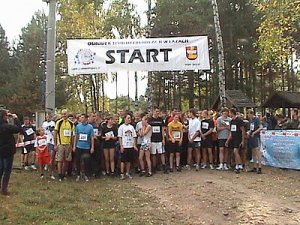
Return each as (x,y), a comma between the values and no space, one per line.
(194,139)
(49,126)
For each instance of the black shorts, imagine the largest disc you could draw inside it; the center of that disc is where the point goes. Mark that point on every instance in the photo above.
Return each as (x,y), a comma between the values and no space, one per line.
(254,142)
(27,149)
(207,143)
(174,147)
(222,143)
(109,144)
(195,144)
(128,155)
(236,142)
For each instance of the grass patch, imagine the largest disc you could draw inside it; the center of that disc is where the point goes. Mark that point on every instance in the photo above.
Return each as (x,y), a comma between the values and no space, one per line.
(99,201)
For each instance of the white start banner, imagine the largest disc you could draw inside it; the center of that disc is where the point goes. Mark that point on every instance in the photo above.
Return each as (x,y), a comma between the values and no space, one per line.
(153,54)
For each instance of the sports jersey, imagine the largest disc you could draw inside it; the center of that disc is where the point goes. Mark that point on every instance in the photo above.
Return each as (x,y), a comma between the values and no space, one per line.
(96,129)
(223,122)
(29,132)
(194,126)
(127,133)
(84,133)
(157,125)
(65,130)
(176,130)
(111,132)
(253,125)
(235,128)
(206,125)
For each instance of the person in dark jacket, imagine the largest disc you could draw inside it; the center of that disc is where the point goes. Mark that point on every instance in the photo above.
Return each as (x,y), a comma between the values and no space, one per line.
(9,125)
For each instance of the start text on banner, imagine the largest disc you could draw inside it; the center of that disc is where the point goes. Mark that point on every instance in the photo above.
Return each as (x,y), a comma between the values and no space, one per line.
(154,54)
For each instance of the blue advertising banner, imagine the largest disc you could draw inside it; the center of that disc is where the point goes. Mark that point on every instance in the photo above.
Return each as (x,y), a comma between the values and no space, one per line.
(281,148)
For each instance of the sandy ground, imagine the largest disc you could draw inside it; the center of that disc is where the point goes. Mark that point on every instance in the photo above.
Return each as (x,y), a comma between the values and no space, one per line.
(223,197)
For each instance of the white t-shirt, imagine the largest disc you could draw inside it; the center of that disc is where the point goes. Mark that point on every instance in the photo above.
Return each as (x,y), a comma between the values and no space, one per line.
(194,126)
(49,127)
(127,133)
(138,127)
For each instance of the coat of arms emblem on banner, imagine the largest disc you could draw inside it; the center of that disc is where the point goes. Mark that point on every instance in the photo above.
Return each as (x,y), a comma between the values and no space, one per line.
(191,52)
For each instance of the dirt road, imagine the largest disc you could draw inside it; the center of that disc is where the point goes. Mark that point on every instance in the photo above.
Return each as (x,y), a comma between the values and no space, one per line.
(222,197)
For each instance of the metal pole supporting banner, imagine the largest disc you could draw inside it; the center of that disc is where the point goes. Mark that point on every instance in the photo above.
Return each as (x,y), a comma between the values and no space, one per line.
(50,59)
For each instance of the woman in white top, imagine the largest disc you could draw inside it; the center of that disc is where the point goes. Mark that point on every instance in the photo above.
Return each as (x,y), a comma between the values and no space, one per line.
(145,133)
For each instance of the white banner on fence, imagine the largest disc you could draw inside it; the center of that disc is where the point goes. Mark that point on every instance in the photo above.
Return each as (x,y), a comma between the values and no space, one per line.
(154,54)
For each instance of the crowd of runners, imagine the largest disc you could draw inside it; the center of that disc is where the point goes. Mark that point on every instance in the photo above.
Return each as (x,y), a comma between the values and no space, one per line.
(97,144)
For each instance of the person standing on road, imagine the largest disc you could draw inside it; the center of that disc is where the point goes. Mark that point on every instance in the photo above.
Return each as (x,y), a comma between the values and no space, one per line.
(7,148)
(42,149)
(127,138)
(29,136)
(49,126)
(253,133)
(157,139)
(145,134)
(175,132)
(63,140)
(206,130)
(237,135)
(83,147)
(223,130)
(194,140)
(110,138)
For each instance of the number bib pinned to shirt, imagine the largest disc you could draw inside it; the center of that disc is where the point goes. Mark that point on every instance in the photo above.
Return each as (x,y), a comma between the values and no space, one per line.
(67,133)
(109,134)
(83,137)
(29,131)
(251,126)
(205,125)
(177,134)
(42,142)
(156,129)
(233,128)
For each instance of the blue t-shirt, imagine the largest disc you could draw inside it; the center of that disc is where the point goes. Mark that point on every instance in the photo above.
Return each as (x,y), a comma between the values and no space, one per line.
(84,133)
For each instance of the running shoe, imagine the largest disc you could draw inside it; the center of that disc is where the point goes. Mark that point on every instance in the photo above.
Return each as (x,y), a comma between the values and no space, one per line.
(33,167)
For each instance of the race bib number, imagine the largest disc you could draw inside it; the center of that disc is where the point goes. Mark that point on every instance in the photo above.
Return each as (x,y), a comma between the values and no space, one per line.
(205,125)
(96,132)
(233,128)
(176,134)
(109,134)
(42,142)
(252,126)
(83,137)
(156,129)
(29,131)
(67,133)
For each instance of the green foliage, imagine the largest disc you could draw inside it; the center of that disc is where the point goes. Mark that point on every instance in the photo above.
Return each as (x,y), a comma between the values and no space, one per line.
(22,68)
(277,31)
(90,19)
(5,66)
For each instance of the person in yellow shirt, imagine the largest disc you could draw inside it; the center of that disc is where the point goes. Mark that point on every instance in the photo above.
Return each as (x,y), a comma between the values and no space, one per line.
(63,140)
(175,133)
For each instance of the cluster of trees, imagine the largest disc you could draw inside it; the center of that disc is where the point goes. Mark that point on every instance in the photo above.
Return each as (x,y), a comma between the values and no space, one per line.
(261,44)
